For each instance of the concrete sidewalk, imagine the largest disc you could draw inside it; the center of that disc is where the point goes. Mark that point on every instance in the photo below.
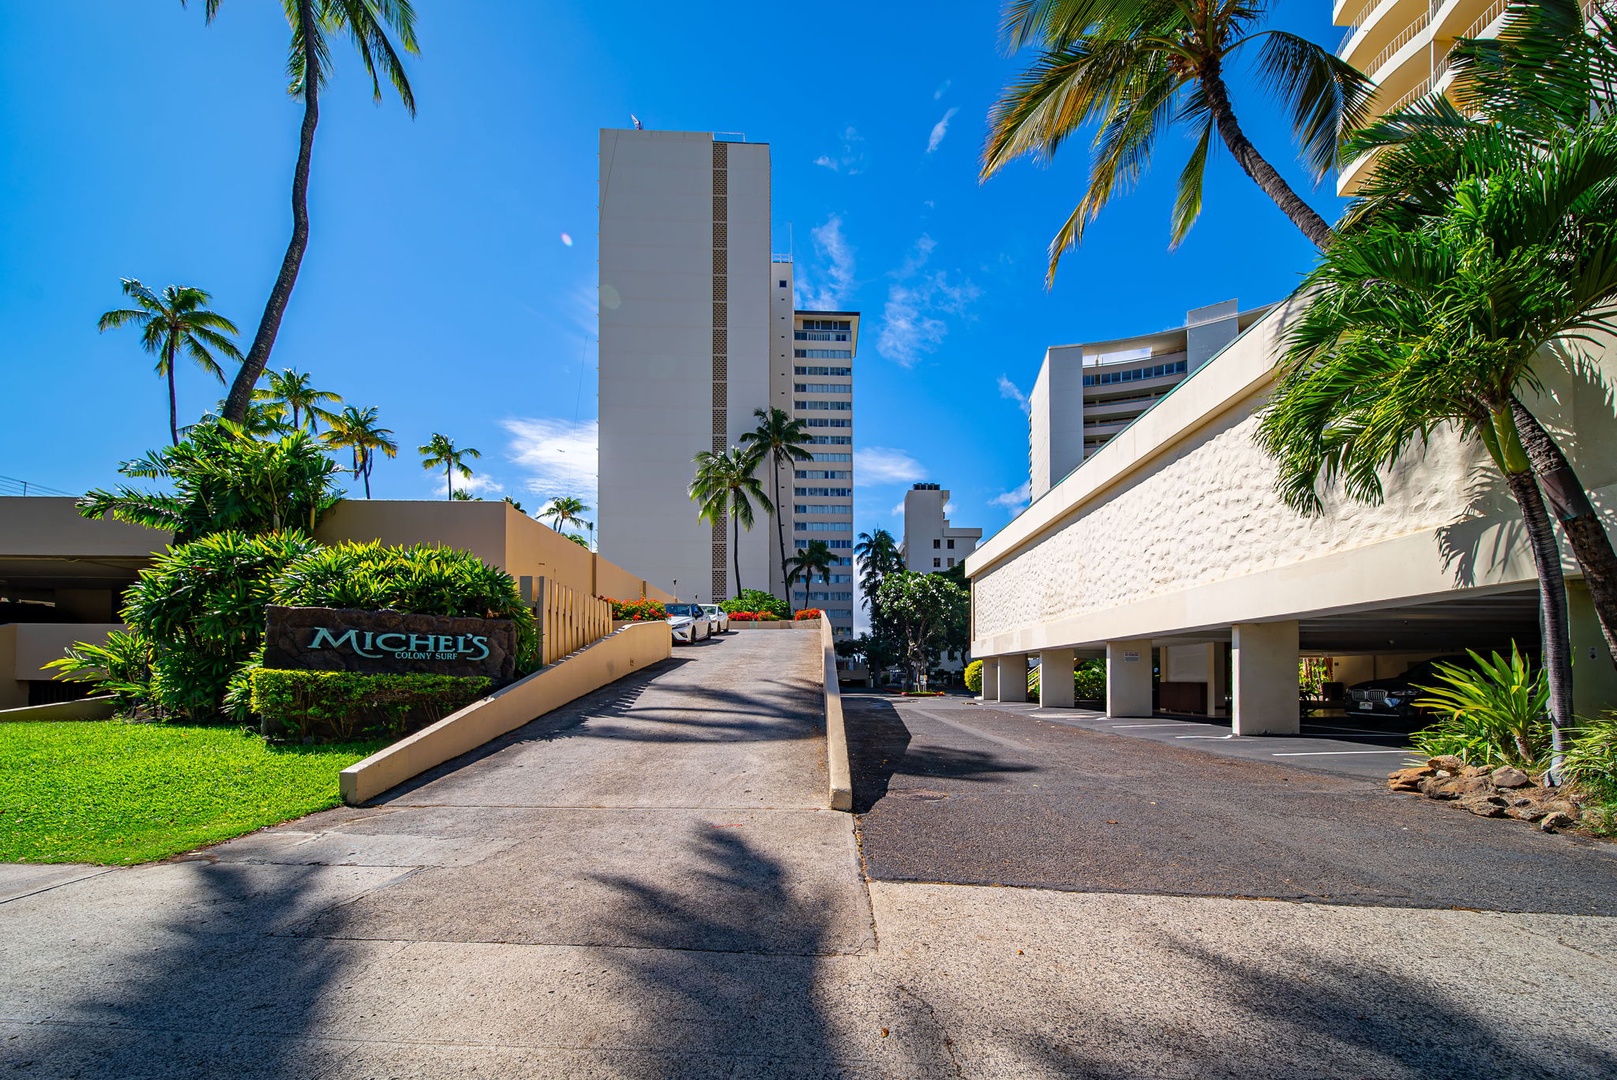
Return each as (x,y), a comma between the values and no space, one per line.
(644,885)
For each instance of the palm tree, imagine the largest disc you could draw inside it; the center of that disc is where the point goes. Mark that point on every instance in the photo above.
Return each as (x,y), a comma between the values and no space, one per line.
(1136,68)
(440,451)
(779,441)
(878,556)
(726,487)
(1409,329)
(293,392)
(814,559)
(359,430)
(176,319)
(313,23)
(565,510)
(1545,76)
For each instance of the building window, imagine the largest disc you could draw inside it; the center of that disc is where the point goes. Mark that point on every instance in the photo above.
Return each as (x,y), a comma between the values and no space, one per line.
(828,324)
(783,285)
(936,543)
(823,354)
(823,492)
(834,406)
(829,423)
(937,564)
(951,545)
(820,508)
(820,335)
(1155,371)
(801,369)
(831,440)
(951,562)
(823,388)
(824,474)
(833,457)
(822,526)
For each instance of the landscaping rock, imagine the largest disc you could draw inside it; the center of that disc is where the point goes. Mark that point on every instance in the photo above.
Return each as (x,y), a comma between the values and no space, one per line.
(1507,777)
(1447,763)
(1556,820)
(1526,810)
(1486,806)
(1438,787)
(1473,784)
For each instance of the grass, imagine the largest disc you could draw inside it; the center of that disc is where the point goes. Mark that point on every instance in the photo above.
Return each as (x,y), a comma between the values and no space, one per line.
(118,793)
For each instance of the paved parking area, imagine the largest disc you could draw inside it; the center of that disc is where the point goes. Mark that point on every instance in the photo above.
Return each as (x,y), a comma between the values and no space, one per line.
(954,791)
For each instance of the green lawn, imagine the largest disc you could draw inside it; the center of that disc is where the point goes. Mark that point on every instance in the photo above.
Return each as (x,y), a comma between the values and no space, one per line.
(115,792)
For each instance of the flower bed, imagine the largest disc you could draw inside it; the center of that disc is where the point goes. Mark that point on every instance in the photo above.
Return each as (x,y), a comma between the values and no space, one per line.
(641,610)
(807,613)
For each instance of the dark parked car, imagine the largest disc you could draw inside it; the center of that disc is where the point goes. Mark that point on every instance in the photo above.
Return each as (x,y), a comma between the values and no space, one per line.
(1396,696)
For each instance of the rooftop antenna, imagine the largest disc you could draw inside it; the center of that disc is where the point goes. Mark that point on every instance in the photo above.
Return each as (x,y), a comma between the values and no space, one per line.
(636,120)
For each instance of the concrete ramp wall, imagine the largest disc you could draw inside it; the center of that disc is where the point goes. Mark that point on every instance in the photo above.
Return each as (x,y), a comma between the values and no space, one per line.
(629,649)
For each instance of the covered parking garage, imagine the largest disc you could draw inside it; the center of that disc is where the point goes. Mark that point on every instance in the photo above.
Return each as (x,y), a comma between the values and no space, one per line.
(1169,554)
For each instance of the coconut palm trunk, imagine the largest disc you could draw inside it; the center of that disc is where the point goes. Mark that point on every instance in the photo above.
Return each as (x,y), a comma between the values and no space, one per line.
(241,391)
(1253,163)
(1500,435)
(1585,532)
(735,551)
(173,401)
(780,531)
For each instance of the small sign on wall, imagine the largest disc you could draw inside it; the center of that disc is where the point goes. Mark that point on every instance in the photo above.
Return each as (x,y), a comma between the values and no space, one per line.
(1131,658)
(388,643)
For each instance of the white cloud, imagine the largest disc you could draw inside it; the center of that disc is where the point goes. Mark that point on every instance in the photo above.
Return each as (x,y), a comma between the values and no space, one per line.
(833,270)
(1012,392)
(883,465)
(911,326)
(942,89)
(897,510)
(939,130)
(948,508)
(1015,501)
(558,456)
(851,159)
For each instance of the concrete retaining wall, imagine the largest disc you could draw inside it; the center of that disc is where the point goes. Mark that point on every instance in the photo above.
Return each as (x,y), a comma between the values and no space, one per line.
(611,658)
(836,733)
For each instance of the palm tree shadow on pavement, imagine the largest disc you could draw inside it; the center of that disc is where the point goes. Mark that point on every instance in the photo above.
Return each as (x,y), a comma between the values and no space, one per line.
(879,748)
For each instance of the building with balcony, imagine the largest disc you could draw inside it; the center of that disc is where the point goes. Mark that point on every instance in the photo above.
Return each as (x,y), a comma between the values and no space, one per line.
(931,543)
(1086,394)
(1403,46)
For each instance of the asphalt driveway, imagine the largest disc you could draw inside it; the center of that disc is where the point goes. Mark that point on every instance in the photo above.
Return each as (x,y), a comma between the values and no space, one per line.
(950,790)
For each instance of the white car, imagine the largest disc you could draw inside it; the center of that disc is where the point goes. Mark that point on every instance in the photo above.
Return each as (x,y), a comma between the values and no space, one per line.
(689,623)
(716,616)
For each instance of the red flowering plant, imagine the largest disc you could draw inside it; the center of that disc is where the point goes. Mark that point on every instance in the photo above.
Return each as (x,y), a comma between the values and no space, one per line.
(639,610)
(746,616)
(808,613)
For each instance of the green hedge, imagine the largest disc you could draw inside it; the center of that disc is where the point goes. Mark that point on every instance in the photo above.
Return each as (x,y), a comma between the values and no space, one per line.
(340,705)
(974,676)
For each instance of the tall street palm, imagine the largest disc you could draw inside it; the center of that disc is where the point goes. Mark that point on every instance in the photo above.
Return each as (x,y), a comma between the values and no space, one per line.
(565,510)
(1545,76)
(878,556)
(440,452)
(1138,68)
(817,558)
(1407,329)
(293,391)
(174,320)
(313,23)
(726,487)
(360,431)
(779,442)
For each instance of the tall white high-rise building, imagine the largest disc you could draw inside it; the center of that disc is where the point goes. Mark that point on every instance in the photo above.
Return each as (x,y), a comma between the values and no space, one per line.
(931,542)
(698,329)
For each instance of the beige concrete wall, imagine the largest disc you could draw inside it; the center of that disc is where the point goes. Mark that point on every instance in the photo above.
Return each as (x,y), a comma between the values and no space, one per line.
(632,648)
(53,528)
(1183,506)
(839,770)
(25,649)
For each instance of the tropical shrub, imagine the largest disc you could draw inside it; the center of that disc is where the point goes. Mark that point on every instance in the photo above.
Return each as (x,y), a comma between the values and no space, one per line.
(1591,758)
(747,616)
(807,613)
(765,604)
(223,479)
(641,610)
(340,705)
(974,676)
(122,668)
(200,608)
(1495,715)
(422,579)
(1089,681)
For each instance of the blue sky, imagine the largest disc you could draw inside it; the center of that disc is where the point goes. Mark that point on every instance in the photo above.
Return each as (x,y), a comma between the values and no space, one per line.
(438,286)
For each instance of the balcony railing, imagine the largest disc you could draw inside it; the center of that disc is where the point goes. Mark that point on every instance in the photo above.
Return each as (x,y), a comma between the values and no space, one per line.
(1405,36)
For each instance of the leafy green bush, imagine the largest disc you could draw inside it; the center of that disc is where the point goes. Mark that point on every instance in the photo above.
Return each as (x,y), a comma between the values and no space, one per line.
(1089,681)
(1495,715)
(122,667)
(974,676)
(1591,753)
(340,705)
(765,604)
(423,580)
(201,608)
(225,480)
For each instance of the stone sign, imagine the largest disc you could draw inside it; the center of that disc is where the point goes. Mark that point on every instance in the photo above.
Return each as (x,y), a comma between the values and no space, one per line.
(389,643)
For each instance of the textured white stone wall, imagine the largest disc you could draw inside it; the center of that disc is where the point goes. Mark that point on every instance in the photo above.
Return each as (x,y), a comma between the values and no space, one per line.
(1206,513)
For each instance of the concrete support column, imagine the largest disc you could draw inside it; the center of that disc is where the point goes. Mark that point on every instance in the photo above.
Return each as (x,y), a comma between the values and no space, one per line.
(1013,677)
(1264,679)
(1056,689)
(1219,688)
(1594,679)
(990,678)
(1128,678)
